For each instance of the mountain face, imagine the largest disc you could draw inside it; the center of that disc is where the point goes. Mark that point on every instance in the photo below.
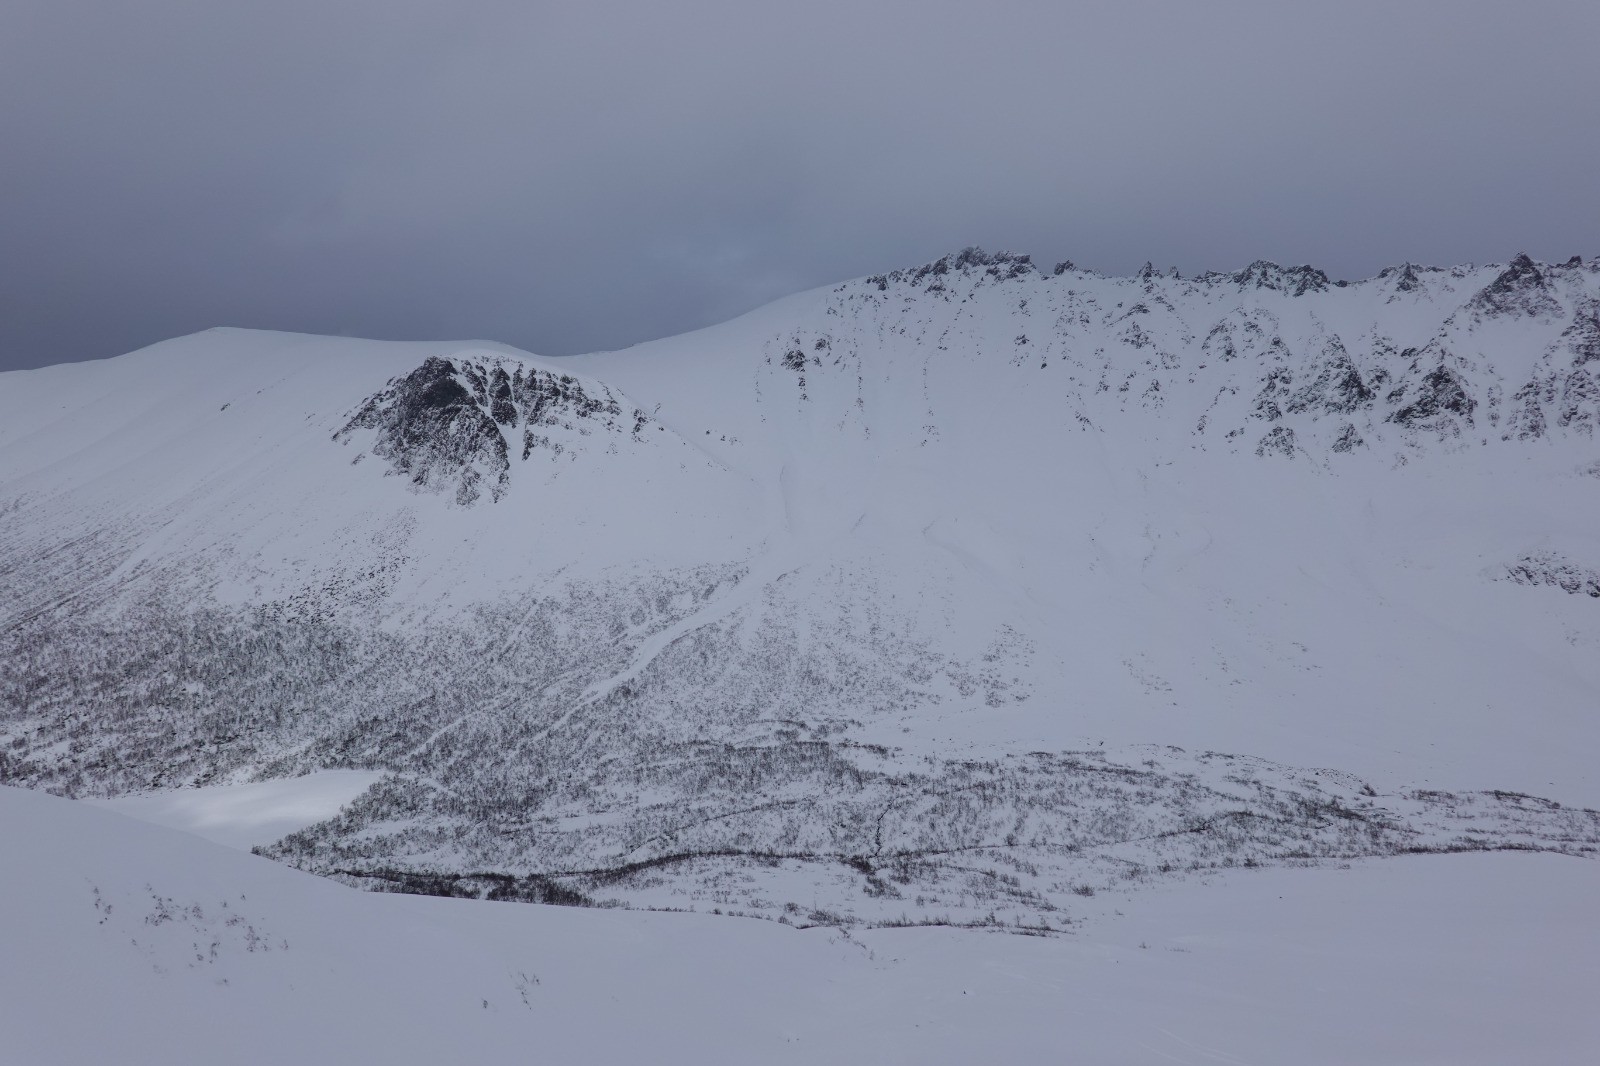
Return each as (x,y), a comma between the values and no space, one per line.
(948,594)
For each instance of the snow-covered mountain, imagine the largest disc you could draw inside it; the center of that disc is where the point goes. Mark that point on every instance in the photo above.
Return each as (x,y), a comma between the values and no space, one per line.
(953,594)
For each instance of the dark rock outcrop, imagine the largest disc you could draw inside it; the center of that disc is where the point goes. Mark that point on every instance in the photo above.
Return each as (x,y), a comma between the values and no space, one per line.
(433,430)
(446,425)
(1279,440)
(1263,274)
(1441,392)
(1519,290)
(1548,568)
(1337,388)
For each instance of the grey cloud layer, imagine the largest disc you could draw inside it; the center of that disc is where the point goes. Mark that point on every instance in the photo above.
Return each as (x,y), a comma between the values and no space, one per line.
(567,177)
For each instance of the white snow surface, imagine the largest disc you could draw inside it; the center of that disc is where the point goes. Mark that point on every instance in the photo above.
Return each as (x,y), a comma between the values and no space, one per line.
(135,944)
(244,816)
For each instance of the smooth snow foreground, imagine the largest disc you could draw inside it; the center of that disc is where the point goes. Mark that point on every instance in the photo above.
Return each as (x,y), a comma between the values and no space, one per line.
(130,943)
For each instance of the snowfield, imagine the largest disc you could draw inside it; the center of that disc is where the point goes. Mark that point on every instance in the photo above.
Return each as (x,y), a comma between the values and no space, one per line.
(1254,617)
(136,944)
(250,815)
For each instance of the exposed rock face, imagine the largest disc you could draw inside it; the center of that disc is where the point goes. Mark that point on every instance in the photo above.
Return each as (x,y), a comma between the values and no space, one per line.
(1579,394)
(1549,568)
(449,425)
(1348,440)
(1439,394)
(1278,441)
(1263,274)
(1526,421)
(436,432)
(1274,393)
(1405,278)
(968,263)
(1564,389)
(1520,289)
(1337,388)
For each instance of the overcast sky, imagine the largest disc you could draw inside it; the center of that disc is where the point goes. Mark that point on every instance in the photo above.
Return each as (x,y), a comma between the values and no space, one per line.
(576,176)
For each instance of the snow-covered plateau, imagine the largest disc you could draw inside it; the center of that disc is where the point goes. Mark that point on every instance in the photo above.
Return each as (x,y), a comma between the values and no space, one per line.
(1236,637)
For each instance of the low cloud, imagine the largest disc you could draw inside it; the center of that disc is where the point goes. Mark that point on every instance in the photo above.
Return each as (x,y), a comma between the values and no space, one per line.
(567,177)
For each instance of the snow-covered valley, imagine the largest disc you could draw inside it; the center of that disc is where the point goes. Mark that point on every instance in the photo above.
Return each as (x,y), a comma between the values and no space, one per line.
(1258,607)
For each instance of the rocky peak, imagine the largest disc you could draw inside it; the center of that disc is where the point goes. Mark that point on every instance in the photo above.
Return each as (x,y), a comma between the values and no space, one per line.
(445,426)
(1264,274)
(1406,276)
(1518,290)
(434,427)
(968,263)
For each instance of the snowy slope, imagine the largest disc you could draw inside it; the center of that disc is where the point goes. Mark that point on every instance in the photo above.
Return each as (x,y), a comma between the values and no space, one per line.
(970,560)
(1085,450)
(135,944)
(229,452)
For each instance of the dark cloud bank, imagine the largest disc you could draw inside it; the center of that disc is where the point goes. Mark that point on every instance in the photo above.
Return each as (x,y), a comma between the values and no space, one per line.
(573,176)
